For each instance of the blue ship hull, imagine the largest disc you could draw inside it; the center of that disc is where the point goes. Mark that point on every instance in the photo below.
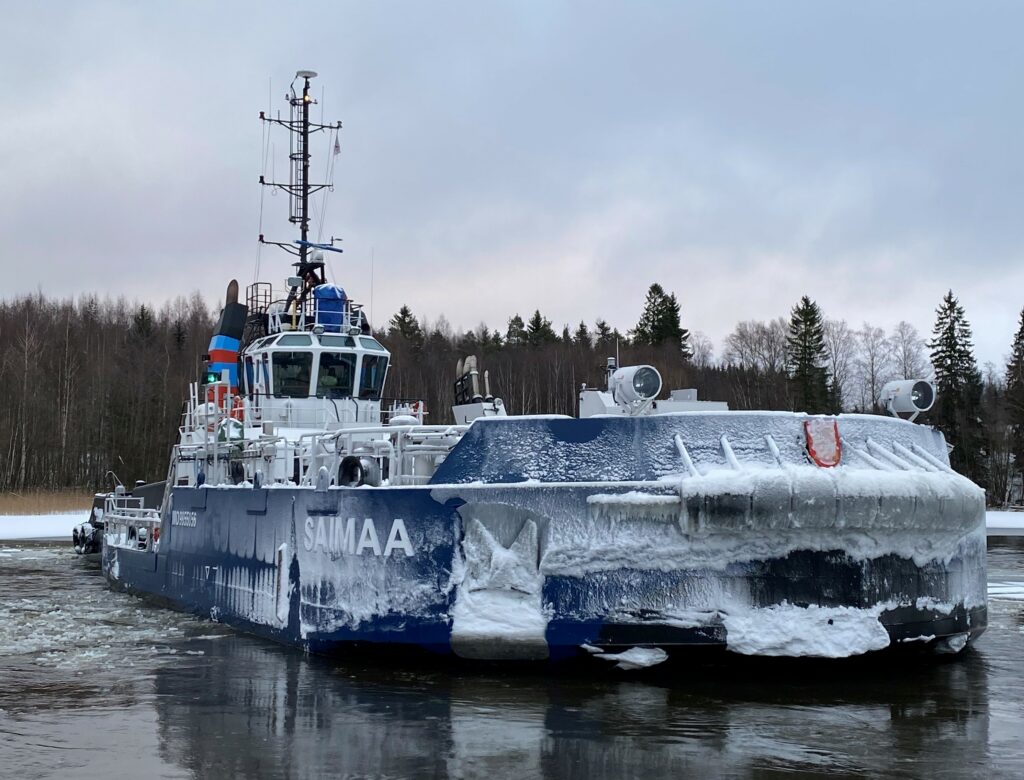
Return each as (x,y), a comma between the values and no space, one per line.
(348,567)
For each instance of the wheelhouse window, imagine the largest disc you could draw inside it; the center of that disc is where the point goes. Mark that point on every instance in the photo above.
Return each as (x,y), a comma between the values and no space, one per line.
(336,341)
(336,375)
(292,372)
(371,382)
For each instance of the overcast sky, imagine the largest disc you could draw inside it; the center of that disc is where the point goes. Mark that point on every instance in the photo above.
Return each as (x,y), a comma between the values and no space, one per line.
(502,157)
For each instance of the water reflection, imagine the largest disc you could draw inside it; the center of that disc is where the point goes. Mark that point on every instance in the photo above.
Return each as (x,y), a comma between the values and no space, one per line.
(252,709)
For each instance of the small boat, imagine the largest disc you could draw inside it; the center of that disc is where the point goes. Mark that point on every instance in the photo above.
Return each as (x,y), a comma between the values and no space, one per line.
(87,537)
(303,506)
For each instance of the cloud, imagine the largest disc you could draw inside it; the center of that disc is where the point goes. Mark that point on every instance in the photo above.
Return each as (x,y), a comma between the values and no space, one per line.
(498,159)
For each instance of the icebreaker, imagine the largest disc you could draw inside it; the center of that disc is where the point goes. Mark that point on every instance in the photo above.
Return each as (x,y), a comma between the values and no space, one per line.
(303,507)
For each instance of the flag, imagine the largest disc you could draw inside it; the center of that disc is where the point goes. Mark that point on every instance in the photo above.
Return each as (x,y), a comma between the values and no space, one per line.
(337,146)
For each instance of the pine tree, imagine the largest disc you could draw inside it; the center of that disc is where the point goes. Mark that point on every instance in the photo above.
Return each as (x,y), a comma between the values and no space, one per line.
(468,343)
(404,325)
(1015,399)
(538,330)
(566,335)
(602,335)
(582,337)
(643,333)
(179,335)
(807,358)
(659,322)
(142,323)
(957,411)
(490,341)
(674,328)
(516,332)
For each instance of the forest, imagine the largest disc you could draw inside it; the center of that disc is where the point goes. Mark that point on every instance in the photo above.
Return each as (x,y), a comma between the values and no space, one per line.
(93,386)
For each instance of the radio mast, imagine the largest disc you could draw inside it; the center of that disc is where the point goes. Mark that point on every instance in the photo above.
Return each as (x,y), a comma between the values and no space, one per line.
(299,187)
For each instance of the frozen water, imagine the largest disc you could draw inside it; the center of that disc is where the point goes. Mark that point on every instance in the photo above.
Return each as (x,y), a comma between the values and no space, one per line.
(636,657)
(45,623)
(249,708)
(1009,591)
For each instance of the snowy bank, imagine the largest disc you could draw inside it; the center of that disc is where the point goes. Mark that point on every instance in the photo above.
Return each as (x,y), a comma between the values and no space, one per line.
(1005,523)
(57,525)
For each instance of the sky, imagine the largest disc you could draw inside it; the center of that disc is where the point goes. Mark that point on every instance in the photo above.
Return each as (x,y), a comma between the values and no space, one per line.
(498,158)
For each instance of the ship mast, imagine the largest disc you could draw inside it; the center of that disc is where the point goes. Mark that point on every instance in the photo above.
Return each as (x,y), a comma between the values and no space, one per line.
(300,160)
(309,266)
(298,186)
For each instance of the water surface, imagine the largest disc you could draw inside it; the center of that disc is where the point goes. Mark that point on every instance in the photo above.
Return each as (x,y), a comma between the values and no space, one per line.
(99,684)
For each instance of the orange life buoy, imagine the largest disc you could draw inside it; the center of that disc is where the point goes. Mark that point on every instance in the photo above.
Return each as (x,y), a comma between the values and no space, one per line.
(237,408)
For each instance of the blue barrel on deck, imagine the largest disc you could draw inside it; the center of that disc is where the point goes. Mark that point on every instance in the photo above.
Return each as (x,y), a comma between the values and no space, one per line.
(330,306)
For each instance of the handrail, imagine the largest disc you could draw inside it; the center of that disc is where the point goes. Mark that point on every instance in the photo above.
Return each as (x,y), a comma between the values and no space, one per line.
(406,453)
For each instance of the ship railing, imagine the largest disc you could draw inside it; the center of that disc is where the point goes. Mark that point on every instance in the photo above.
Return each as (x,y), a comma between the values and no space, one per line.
(282,409)
(402,407)
(410,453)
(283,316)
(131,524)
(405,454)
(271,312)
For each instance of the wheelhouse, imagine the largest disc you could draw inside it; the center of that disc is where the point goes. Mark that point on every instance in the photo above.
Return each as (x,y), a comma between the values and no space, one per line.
(312,365)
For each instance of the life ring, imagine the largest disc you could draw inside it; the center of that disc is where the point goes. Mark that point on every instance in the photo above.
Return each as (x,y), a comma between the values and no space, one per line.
(237,408)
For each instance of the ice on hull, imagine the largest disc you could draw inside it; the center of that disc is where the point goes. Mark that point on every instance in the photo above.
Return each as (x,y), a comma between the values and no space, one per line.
(541,571)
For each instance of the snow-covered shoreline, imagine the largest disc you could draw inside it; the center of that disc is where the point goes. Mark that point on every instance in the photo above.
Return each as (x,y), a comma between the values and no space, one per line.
(1005,523)
(57,525)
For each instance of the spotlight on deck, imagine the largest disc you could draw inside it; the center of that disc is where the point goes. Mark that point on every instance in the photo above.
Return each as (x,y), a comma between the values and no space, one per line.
(633,384)
(907,396)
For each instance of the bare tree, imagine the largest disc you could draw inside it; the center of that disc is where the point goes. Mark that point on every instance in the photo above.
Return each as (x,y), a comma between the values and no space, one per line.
(758,345)
(741,344)
(775,345)
(908,357)
(841,348)
(873,365)
(998,435)
(703,350)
